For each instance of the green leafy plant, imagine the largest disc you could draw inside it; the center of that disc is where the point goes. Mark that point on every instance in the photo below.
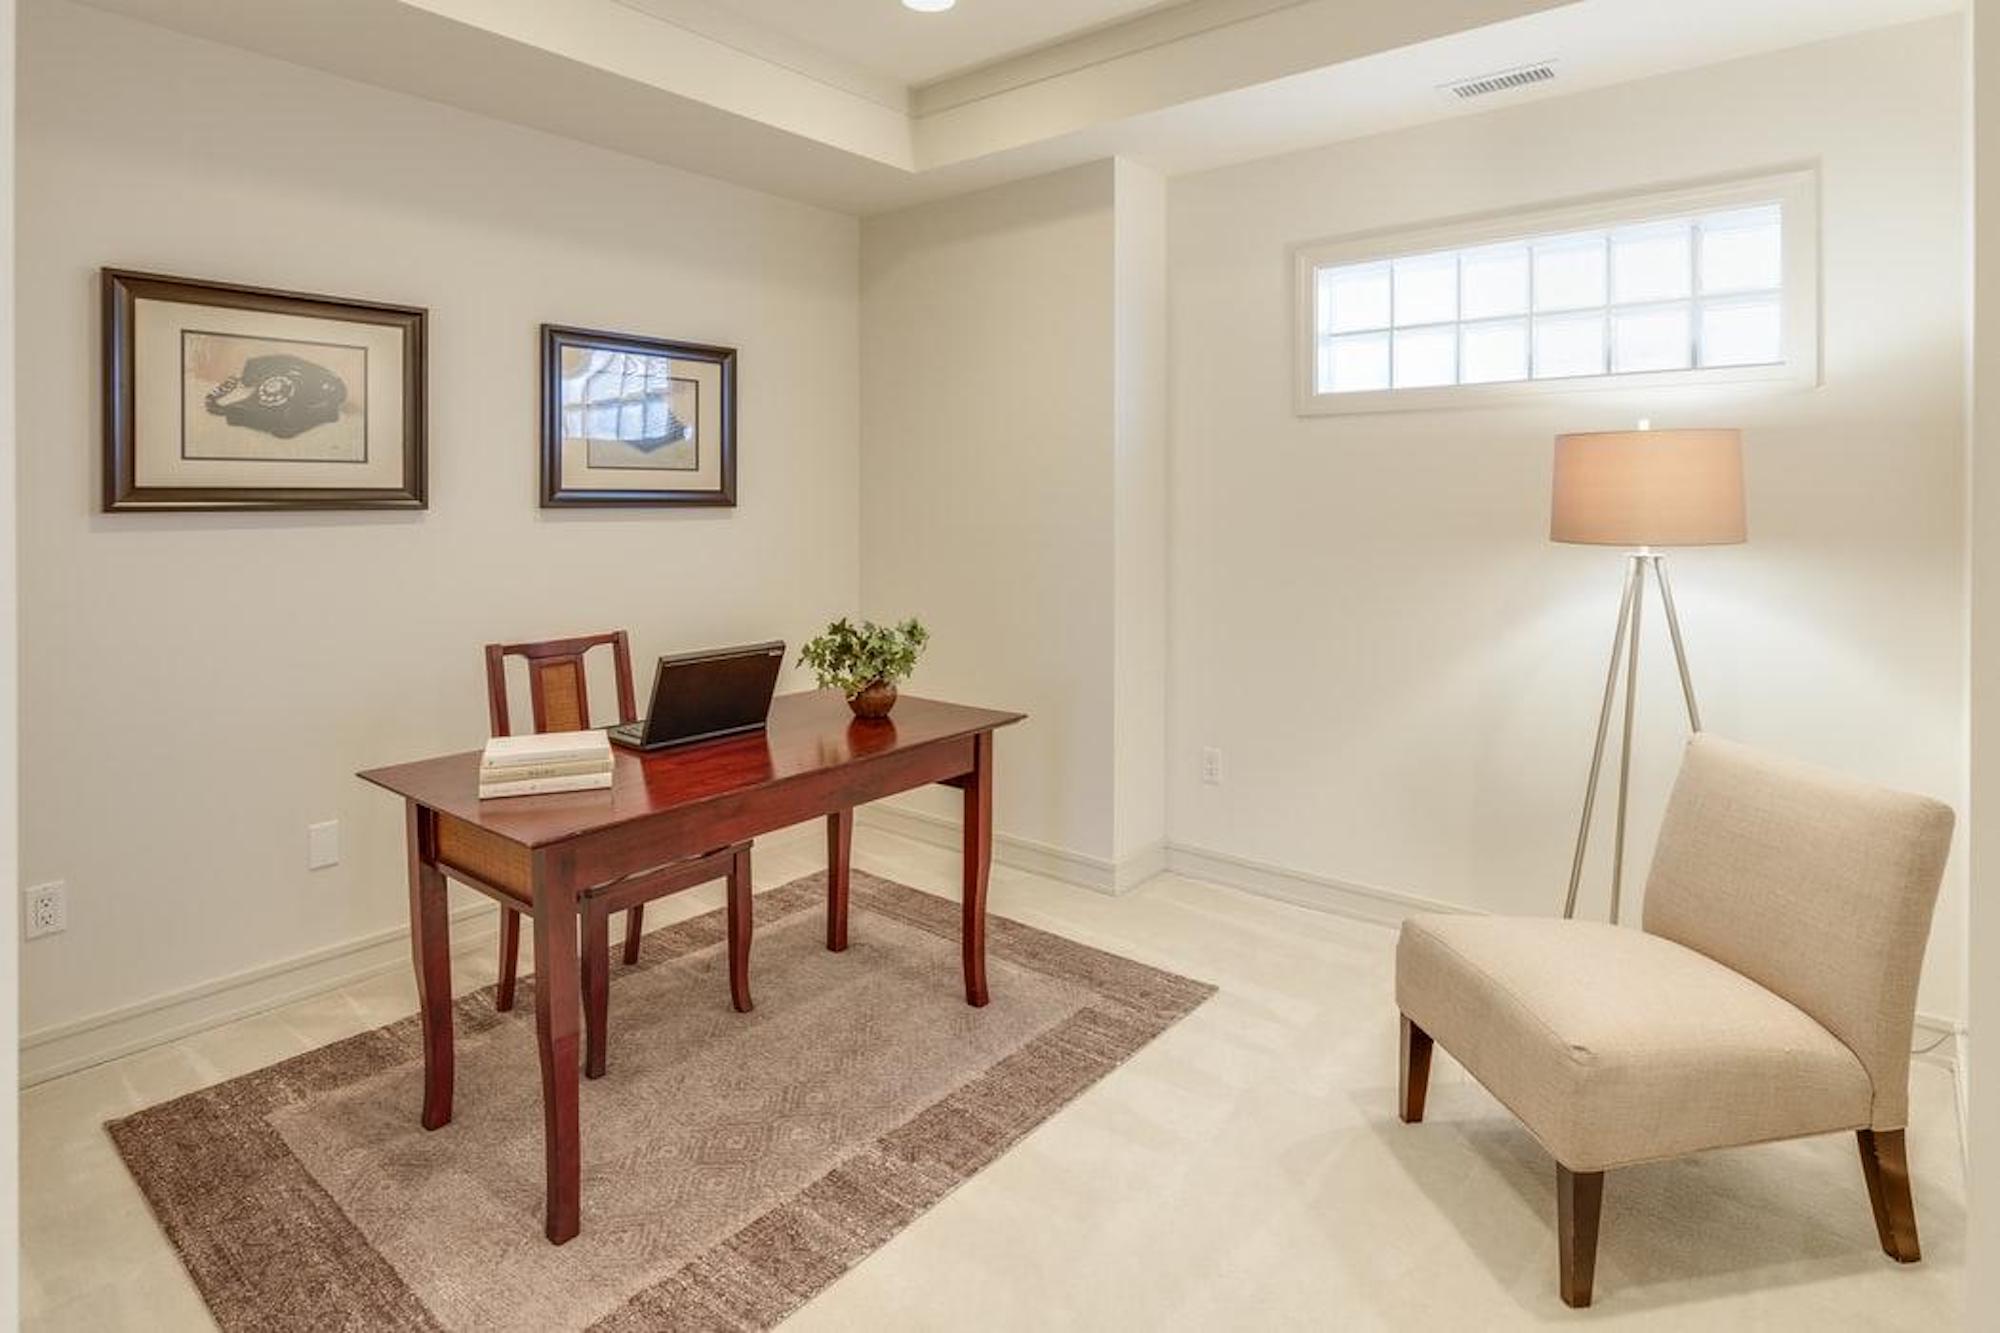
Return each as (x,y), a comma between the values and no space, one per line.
(850,658)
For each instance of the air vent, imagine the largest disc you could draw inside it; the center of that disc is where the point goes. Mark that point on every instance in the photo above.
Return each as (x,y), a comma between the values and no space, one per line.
(1502,81)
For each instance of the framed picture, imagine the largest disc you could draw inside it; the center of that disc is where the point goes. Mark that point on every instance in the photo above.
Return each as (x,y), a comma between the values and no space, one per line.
(636,421)
(225,397)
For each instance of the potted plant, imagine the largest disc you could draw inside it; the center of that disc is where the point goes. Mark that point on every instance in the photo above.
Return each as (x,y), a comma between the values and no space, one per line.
(865,661)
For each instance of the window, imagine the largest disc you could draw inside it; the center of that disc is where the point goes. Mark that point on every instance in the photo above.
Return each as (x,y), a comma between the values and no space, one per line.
(1699,285)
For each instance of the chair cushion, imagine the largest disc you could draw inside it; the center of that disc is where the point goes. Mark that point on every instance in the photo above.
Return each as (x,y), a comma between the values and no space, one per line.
(1614,1046)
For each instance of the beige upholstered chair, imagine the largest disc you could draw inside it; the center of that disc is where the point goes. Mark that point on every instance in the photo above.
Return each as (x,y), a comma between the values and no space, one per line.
(1770,994)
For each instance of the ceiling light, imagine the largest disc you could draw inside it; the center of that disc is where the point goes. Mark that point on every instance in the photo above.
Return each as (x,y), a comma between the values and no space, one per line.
(929,6)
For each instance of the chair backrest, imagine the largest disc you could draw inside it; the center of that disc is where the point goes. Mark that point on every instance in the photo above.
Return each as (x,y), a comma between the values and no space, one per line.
(556,686)
(1813,885)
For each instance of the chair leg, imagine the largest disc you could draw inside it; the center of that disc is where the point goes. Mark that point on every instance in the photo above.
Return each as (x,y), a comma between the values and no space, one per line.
(1416,1071)
(596,988)
(634,927)
(1885,1164)
(510,958)
(1579,1204)
(739,930)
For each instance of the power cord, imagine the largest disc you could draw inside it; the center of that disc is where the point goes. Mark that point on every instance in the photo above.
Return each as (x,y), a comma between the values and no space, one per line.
(1926,1050)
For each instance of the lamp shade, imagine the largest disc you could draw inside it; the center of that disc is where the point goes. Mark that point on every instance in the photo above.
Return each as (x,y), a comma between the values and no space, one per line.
(1649,488)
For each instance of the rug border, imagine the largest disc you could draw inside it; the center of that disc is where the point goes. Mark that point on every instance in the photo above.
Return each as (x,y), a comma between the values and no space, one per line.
(219,1146)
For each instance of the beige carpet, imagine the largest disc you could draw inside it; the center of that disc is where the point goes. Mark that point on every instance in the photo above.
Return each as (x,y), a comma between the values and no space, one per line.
(733,1165)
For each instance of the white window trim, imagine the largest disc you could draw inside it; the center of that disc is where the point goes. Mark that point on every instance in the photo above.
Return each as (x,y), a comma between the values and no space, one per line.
(1796,190)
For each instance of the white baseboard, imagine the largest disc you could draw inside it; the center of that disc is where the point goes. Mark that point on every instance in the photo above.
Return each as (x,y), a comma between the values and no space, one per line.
(1098,874)
(1388,907)
(65,1048)
(1319,892)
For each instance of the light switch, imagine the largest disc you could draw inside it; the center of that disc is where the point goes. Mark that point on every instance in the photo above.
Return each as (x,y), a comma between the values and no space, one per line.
(323,845)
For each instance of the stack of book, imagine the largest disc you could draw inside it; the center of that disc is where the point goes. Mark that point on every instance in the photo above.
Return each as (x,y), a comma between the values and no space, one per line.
(553,761)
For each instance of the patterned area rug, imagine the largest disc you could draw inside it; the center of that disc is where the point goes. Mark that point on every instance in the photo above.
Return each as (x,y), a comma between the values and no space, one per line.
(733,1164)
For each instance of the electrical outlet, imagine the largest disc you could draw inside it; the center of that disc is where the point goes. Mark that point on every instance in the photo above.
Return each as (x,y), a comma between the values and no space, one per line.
(1211,766)
(323,845)
(47,910)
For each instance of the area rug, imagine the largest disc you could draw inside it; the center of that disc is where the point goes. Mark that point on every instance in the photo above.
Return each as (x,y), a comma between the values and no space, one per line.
(733,1164)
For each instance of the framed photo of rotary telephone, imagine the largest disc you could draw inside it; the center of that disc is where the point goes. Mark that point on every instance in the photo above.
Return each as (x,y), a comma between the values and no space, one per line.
(219,396)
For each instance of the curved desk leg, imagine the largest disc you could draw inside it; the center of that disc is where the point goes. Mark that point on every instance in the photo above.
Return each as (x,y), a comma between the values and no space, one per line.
(430,950)
(978,842)
(558,1006)
(839,853)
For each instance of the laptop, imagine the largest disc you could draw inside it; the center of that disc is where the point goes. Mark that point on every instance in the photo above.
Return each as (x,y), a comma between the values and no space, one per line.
(700,696)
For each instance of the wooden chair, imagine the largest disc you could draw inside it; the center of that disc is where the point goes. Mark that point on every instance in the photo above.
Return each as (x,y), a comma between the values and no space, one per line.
(560,701)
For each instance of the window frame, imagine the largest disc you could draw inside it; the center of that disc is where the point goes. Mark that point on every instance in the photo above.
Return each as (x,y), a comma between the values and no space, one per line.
(1795,190)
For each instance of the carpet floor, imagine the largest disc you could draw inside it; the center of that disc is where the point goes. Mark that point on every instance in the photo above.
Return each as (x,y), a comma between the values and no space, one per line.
(733,1164)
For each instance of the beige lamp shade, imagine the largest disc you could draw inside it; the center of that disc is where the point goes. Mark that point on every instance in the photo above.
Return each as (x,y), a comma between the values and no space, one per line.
(1649,488)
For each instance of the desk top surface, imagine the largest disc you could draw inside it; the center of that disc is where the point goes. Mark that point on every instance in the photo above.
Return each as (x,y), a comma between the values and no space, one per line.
(807,733)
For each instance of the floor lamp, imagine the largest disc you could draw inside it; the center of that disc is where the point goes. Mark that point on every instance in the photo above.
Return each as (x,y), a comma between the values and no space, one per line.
(1642,489)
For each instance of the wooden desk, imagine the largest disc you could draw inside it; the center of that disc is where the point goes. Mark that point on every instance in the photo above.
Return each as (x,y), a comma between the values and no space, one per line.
(539,852)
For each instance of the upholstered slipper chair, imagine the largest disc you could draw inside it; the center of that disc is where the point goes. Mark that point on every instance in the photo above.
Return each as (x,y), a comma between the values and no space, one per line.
(1770,995)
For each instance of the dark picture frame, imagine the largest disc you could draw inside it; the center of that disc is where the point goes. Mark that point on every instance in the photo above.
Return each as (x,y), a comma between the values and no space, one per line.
(609,485)
(125,435)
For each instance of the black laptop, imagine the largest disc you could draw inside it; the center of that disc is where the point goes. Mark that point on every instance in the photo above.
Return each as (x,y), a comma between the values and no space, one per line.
(700,696)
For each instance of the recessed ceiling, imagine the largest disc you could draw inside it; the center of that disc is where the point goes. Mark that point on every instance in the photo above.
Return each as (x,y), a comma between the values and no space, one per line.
(885,39)
(772,93)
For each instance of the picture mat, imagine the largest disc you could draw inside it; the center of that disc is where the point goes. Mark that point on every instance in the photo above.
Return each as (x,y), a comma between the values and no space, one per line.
(158,382)
(579,475)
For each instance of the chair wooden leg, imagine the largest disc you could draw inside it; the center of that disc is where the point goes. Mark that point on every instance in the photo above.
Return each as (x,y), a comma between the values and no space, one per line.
(596,988)
(1415,1073)
(739,930)
(510,958)
(634,926)
(1579,1204)
(1885,1164)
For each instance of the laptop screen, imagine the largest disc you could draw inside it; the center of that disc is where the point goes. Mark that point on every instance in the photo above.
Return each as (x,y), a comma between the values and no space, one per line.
(696,695)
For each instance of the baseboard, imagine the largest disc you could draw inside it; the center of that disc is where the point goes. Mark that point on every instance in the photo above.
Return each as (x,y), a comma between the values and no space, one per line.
(1141,866)
(1388,907)
(1322,893)
(65,1048)
(1098,874)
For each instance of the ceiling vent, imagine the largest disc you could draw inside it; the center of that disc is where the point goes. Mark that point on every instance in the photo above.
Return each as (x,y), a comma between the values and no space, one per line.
(1501,82)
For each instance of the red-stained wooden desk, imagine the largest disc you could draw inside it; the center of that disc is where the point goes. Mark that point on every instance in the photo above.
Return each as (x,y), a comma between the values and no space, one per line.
(813,759)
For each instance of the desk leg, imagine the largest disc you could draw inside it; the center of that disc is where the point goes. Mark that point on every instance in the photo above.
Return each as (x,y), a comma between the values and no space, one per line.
(596,988)
(978,842)
(557,1020)
(430,950)
(740,908)
(839,853)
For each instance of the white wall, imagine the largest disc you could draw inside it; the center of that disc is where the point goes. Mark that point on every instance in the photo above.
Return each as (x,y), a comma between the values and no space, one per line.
(1368,619)
(1014,492)
(1139,516)
(203,687)
(1981,1055)
(987,477)
(10,1012)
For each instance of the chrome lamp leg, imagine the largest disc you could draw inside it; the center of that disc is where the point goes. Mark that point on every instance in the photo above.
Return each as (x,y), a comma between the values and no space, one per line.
(1625,653)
